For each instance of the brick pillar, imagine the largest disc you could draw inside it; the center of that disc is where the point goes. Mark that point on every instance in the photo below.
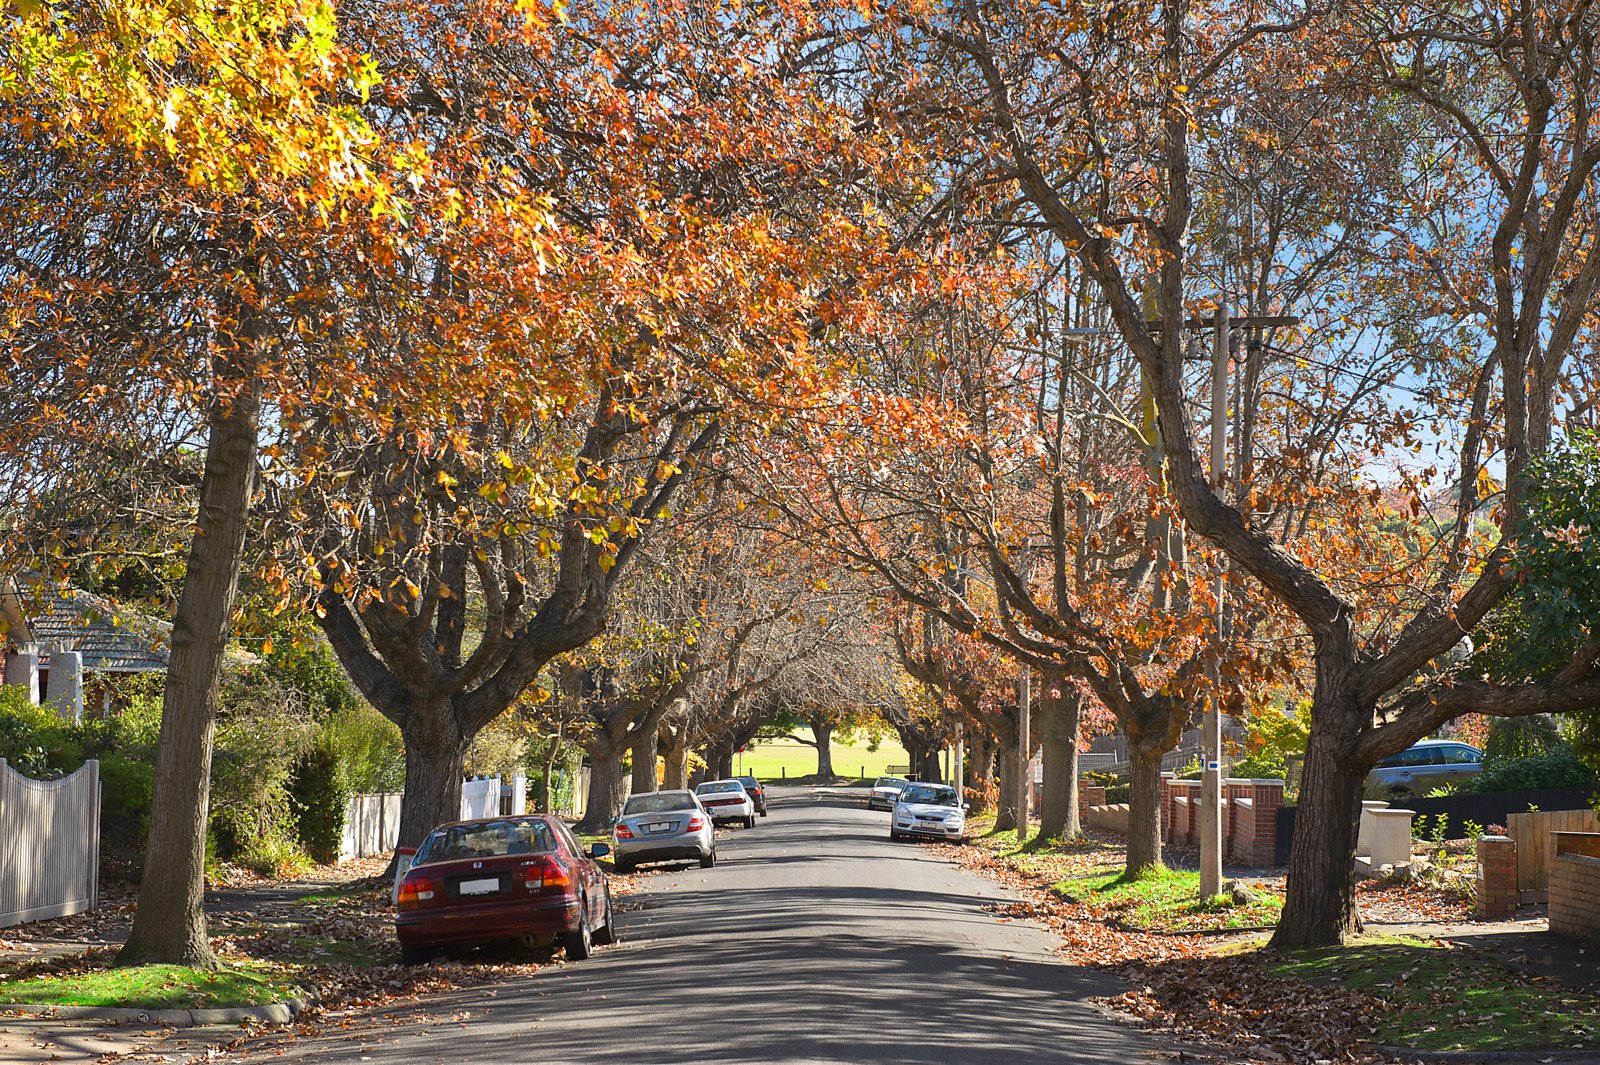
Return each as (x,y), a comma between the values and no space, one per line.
(1266,796)
(1089,795)
(1235,827)
(1497,877)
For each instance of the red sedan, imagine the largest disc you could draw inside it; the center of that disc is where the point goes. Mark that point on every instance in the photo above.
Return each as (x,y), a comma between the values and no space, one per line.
(524,878)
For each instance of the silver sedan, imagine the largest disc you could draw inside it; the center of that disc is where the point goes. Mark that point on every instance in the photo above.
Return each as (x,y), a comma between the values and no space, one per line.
(660,826)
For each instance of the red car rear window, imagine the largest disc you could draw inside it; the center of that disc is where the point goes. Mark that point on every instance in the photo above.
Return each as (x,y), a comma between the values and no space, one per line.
(485,839)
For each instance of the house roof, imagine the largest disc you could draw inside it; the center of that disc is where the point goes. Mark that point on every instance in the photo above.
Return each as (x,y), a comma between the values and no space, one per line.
(110,637)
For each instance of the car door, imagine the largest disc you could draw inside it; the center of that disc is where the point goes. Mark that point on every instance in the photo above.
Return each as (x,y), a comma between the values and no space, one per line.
(593,878)
(1461,762)
(1431,770)
(1402,771)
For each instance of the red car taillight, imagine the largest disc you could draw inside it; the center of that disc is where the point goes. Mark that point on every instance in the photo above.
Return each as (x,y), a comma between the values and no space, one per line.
(414,891)
(696,823)
(548,874)
(624,832)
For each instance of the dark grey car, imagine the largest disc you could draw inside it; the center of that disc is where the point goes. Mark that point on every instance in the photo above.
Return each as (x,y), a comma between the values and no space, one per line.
(660,826)
(1422,767)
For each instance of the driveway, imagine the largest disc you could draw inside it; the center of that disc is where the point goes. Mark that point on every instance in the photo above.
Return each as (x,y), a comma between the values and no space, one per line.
(814,939)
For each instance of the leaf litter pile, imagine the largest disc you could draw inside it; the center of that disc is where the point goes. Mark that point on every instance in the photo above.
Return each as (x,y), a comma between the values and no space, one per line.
(1204,987)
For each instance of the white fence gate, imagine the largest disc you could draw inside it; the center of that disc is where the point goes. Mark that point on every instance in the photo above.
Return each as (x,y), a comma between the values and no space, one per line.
(371,825)
(372,822)
(49,844)
(480,798)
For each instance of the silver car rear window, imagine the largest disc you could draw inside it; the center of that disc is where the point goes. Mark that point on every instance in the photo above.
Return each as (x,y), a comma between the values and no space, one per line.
(659,803)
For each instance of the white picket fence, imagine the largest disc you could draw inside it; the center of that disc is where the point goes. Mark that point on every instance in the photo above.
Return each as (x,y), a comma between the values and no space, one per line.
(371,825)
(480,798)
(372,822)
(49,844)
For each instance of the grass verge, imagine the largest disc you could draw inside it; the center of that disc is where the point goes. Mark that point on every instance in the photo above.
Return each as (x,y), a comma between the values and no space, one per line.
(1166,900)
(236,983)
(1439,998)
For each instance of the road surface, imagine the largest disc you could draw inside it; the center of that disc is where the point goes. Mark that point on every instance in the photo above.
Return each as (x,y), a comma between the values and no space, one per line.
(813,940)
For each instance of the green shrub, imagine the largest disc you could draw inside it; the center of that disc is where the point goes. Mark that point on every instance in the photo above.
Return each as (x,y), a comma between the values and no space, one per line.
(126,784)
(1557,768)
(1274,739)
(1119,793)
(262,732)
(34,740)
(319,797)
(370,753)
(1511,738)
(356,751)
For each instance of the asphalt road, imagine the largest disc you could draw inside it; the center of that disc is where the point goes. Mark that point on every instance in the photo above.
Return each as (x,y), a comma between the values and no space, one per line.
(814,939)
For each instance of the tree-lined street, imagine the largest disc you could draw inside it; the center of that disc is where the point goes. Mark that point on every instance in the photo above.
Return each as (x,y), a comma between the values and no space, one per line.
(814,940)
(429,428)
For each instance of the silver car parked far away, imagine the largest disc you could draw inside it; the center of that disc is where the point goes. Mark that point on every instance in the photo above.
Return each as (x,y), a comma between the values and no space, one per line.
(659,826)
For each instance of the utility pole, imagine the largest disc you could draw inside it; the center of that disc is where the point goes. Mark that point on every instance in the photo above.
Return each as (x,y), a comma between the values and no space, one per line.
(959,772)
(1024,740)
(1211,726)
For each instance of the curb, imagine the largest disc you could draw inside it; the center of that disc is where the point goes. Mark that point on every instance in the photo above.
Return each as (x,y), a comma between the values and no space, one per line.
(1486,1057)
(272,1013)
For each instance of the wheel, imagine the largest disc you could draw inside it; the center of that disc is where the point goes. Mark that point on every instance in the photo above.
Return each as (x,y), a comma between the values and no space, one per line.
(623,865)
(763,811)
(580,943)
(414,955)
(894,835)
(708,860)
(606,934)
(750,822)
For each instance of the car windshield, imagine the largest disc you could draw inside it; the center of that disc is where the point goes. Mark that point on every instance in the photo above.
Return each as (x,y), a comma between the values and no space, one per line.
(719,787)
(659,802)
(749,782)
(485,839)
(932,794)
(889,782)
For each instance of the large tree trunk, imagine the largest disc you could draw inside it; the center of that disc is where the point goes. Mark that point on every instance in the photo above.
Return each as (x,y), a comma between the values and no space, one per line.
(1319,907)
(675,754)
(1060,712)
(547,787)
(823,731)
(929,769)
(169,925)
(605,785)
(980,770)
(719,761)
(436,755)
(644,762)
(1144,809)
(1005,775)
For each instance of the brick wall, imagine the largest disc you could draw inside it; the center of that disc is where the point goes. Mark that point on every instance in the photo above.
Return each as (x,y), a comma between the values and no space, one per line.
(1255,833)
(1497,877)
(1575,896)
